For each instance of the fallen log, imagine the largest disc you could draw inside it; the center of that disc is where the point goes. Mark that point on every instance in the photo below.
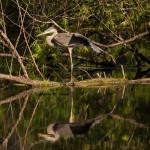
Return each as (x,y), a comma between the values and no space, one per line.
(83,83)
(28,81)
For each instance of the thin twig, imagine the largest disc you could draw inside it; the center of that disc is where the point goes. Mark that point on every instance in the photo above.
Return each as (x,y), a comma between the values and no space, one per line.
(57,74)
(12,48)
(22,25)
(85,72)
(132,121)
(10,55)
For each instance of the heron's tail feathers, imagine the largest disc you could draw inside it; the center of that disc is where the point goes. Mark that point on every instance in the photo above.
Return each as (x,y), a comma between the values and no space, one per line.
(95,48)
(99,50)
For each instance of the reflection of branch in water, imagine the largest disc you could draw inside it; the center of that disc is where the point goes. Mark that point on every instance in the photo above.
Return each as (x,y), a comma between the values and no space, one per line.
(113,109)
(6,86)
(4,144)
(132,121)
(101,117)
(19,95)
(35,143)
(130,139)
(72,129)
(17,133)
(34,110)
(123,91)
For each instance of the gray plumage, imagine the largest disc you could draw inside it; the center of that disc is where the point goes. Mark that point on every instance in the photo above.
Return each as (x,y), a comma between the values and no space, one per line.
(68,40)
(66,130)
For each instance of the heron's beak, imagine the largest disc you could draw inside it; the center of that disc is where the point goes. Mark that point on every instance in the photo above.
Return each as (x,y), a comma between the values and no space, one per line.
(43,33)
(42,135)
(47,137)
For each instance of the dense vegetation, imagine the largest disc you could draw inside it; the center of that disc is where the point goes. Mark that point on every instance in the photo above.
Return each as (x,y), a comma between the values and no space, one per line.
(119,27)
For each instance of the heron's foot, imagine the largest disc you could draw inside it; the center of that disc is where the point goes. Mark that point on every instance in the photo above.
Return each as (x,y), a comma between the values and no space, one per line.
(71,82)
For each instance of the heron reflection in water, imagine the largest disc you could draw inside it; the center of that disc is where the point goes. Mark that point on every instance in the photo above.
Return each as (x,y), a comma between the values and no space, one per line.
(66,130)
(69,40)
(69,130)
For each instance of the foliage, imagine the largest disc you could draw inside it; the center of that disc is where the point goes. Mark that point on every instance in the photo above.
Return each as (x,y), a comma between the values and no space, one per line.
(105,22)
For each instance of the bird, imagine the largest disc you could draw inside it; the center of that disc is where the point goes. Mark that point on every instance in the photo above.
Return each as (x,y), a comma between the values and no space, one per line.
(57,130)
(68,40)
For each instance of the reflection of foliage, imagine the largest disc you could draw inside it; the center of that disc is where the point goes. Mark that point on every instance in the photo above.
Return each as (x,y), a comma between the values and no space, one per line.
(53,105)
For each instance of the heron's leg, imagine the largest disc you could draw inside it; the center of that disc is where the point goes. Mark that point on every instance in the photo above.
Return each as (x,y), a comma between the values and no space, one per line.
(70,53)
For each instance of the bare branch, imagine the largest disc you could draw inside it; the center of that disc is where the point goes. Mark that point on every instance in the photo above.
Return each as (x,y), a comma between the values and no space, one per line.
(12,48)
(132,121)
(15,125)
(27,81)
(23,29)
(121,42)
(11,55)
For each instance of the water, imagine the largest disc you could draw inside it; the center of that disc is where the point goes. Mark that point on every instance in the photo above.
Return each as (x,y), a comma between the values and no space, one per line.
(113,117)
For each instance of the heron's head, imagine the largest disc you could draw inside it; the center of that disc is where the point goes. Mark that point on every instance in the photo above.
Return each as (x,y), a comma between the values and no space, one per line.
(51,135)
(48,31)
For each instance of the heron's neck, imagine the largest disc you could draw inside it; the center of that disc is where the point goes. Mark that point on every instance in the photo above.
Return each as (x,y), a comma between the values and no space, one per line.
(50,38)
(54,33)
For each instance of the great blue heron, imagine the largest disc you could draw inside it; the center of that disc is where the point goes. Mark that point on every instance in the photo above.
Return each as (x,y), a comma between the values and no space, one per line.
(66,130)
(69,40)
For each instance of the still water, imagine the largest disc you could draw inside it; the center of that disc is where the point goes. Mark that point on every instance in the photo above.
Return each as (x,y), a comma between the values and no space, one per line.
(112,117)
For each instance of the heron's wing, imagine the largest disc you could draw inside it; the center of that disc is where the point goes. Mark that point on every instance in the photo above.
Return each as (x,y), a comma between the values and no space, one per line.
(63,39)
(71,40)
(95,48)
(78,40)
(75,40)
(82,40)
(65,131)
(81,128)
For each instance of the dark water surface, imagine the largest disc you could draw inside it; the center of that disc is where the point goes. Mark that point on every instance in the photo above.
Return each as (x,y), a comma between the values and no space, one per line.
(113,117)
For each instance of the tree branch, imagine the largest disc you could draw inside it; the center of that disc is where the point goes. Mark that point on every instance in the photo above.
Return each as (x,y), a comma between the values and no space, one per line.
(27,81)
(4,144)
(23,29)
(11,55)
(121,42)
(11,46)
(104,63)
